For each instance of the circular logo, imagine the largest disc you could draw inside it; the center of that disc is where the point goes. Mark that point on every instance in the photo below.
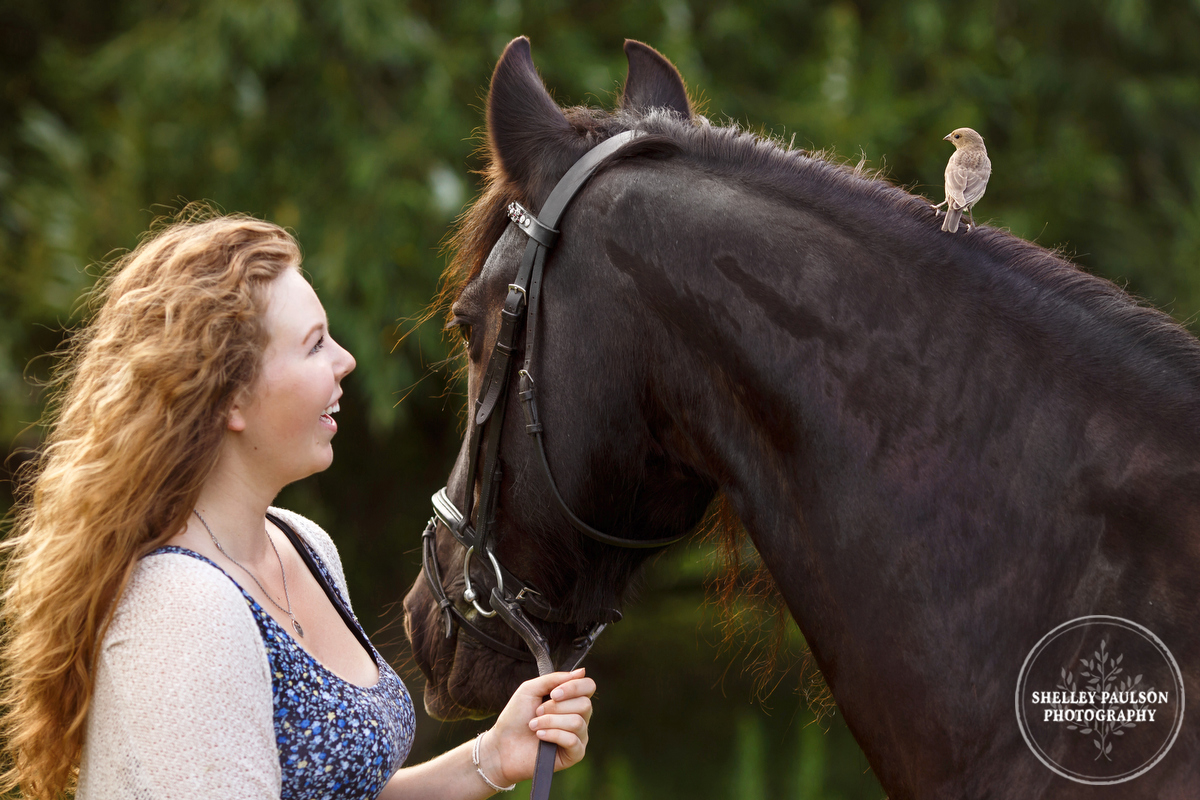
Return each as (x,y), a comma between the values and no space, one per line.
(1100,700)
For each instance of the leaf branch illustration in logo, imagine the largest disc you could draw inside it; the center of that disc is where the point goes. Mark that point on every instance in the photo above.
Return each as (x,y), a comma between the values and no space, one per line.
(1102,678)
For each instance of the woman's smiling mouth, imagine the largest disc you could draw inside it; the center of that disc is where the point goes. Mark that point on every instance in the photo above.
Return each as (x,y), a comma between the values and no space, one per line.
(327,415)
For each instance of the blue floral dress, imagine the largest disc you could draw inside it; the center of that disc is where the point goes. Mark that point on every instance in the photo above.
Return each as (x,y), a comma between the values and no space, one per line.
(335,739)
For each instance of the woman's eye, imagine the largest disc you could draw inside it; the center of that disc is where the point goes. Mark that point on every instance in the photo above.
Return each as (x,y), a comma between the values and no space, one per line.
(320,343)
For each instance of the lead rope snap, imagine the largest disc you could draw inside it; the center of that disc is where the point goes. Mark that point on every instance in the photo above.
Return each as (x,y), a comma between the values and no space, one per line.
(479,769)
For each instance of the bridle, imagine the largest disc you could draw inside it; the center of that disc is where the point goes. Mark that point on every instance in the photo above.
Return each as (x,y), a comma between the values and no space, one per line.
(514,600)
(511,598)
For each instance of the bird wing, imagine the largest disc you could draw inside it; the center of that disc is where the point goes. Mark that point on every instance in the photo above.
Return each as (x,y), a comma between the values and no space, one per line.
(957,180)
(977,180)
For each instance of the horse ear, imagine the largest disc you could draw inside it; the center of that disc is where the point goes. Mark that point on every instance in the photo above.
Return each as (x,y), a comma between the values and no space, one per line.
(525,127)
(653,82)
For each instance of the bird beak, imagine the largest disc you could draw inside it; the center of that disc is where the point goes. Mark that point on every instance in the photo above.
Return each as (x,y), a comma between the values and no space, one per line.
(946,138)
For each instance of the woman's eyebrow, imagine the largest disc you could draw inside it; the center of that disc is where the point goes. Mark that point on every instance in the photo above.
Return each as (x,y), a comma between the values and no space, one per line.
(317,327)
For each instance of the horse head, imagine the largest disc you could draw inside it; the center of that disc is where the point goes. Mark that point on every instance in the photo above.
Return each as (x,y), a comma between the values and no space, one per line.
(591,372)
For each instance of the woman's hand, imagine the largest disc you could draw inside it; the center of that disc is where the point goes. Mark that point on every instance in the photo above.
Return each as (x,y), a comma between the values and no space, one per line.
(508,752)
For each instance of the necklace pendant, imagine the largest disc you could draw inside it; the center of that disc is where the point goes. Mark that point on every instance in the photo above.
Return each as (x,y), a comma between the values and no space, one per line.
(296,625)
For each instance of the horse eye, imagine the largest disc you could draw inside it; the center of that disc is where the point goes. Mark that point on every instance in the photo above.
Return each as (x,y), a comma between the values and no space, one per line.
(461,328)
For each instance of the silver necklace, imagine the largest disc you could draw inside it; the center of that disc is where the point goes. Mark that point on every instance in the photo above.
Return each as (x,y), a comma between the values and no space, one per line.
(286,596)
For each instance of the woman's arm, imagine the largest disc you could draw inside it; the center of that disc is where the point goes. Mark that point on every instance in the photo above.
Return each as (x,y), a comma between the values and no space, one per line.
(508,752)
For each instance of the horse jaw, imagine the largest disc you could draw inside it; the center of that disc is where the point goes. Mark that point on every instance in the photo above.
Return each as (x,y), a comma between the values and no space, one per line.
(652,82)
(461,681)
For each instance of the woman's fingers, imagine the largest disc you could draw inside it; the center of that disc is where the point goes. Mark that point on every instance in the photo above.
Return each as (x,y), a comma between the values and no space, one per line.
(546,684)
(579,688)
(573,723)
(567,741)
(575,705)
(561,685)
(570,747)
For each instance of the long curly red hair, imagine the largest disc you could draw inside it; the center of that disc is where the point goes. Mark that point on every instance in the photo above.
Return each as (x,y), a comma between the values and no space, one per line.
(134,425)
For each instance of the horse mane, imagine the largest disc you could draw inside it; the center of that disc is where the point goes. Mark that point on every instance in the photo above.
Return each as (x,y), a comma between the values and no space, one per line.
(1115,318)
(1037,281)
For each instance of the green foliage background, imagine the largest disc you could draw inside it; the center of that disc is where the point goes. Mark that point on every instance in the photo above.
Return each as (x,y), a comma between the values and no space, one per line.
(352,121)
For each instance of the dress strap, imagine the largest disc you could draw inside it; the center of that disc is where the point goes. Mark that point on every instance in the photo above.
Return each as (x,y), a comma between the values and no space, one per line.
(310,561)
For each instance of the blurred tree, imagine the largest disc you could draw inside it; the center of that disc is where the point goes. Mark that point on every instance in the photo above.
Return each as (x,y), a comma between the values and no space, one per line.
(351,121)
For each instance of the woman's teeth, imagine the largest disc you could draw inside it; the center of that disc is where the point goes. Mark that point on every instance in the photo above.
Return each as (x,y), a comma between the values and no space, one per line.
(331,410)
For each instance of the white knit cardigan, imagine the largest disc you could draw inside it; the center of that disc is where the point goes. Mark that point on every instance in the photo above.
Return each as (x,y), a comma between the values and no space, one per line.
(182,706)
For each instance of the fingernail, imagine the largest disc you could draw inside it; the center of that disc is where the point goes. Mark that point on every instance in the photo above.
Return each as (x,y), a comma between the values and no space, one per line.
(533,723)
(557,694)
(540,710)
(542,734)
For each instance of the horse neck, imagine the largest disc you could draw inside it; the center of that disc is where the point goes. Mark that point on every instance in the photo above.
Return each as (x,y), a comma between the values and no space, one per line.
(913,470)
(795,353)
(853,393)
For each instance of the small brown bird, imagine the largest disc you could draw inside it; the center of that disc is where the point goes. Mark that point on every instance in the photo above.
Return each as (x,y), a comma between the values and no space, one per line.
(967,175)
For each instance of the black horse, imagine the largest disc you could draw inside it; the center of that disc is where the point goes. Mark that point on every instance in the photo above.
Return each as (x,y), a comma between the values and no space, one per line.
(942,446)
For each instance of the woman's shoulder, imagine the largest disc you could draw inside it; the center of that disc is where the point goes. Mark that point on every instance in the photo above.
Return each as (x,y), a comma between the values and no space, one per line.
(174,587)
(184,576)
(178,601)
(318,540)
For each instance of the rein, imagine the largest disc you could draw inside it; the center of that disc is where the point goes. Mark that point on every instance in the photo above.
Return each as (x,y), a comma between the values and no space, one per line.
(514,600)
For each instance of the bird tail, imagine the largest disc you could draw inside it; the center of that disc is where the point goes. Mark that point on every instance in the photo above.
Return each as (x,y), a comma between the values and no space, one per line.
(953,215)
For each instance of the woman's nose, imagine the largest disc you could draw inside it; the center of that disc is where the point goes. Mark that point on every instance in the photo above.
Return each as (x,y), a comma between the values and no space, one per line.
(345,362)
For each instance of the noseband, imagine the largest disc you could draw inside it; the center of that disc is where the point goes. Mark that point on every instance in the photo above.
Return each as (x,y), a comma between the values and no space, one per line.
(514,600)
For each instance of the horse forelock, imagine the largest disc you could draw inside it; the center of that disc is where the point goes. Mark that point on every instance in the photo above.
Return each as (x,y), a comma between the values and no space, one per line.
(480,226)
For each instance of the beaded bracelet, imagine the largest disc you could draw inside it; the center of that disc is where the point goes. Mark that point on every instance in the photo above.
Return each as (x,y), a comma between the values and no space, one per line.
(486,779)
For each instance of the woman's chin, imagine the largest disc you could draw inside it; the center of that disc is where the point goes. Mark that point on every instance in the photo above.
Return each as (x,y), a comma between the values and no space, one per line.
(314,465)
(323,458)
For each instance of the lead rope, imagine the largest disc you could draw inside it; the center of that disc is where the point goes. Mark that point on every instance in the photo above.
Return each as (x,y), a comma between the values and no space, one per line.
(514,615)
(543,771)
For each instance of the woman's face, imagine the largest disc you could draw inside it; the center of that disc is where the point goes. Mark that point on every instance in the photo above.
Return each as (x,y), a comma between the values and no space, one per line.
(286,429)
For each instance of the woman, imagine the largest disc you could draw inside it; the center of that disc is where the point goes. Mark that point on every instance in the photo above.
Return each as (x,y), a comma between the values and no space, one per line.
(163,629)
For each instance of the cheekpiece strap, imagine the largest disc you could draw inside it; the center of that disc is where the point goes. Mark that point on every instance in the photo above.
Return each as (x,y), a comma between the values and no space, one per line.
(531,225)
